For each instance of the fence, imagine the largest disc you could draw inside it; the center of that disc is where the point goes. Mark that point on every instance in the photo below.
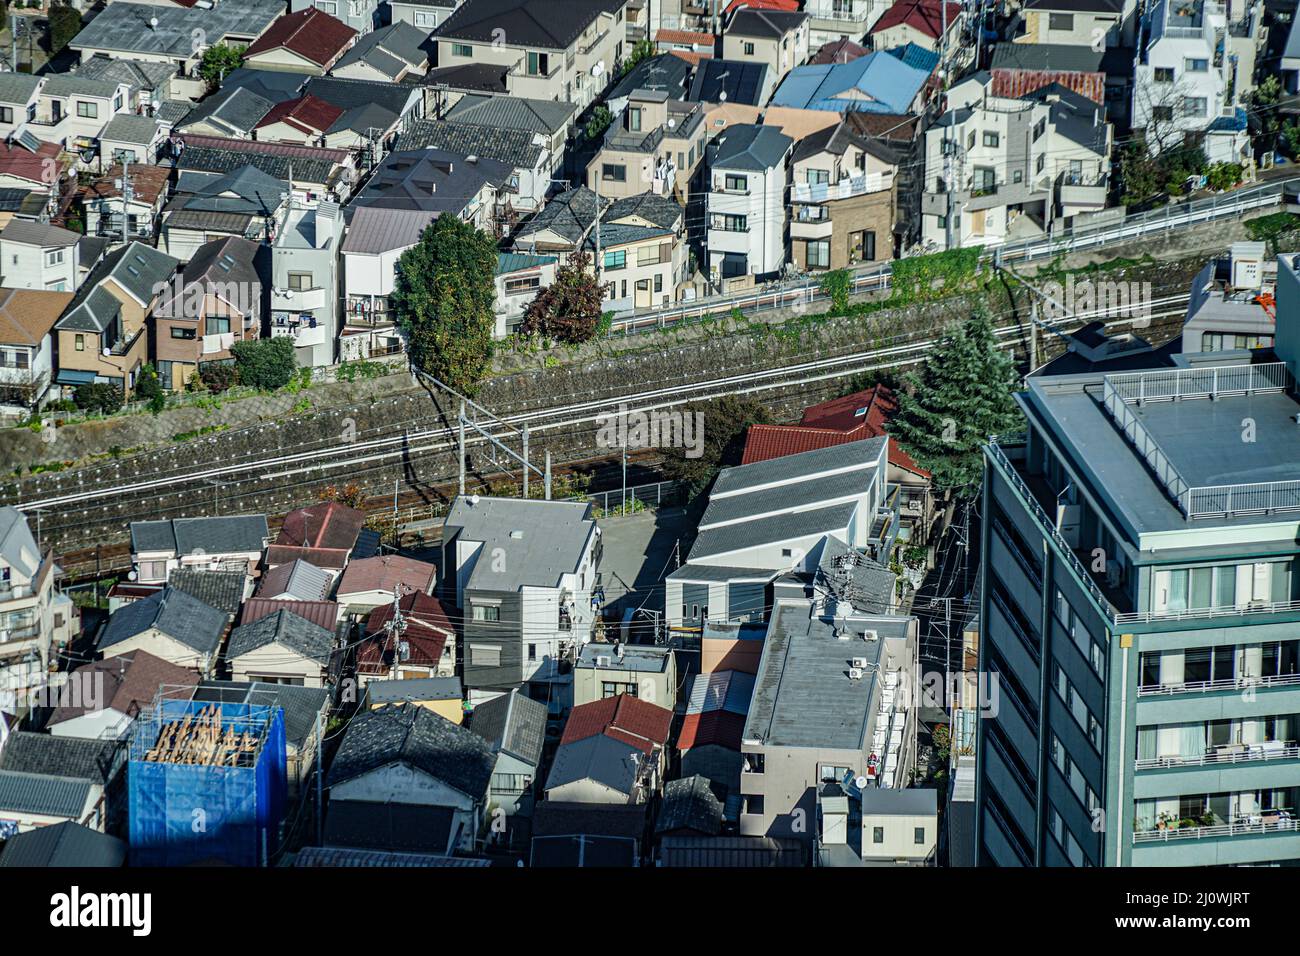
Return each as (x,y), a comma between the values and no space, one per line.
(1219,380)
(619,501)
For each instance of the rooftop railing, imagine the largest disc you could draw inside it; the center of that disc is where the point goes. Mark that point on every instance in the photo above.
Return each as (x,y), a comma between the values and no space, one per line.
(1143,443)
(1218,382)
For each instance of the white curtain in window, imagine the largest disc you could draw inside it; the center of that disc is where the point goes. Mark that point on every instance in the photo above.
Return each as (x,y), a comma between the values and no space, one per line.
(1171,668)
(1192,740)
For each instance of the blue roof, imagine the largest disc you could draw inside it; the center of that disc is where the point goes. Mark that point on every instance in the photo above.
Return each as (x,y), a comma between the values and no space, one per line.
(508,262)
(1235,123)
(916,56)
(877,82)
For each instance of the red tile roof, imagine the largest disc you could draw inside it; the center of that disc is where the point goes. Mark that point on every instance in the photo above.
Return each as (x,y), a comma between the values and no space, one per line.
(34,167)
(324,613)
(925,16)
(308,114)
(427,631)
(689,37)
(385,573)
(419,607)
(325,525)
(791,6)
(838,51)
(311,33)
(831,423)
(720,727)
(130,682)
(635,722)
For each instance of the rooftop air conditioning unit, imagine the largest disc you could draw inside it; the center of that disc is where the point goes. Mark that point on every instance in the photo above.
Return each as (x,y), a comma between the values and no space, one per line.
(870,635)
(602,660)
(855,673)
(859,662)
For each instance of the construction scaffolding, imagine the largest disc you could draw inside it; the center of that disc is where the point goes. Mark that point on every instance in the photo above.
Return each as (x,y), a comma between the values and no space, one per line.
(206,782)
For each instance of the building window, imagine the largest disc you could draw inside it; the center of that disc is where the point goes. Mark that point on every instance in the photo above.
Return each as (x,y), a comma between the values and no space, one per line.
(183,332)
(613,173)
(462,50)
(735,184)
(6,114)
(80,342)
(1196,65)
(217,325)
(299,281)
(749,49)
(484,655)
(862,246)
(538,64)
(486,612)
(990,139)
(634,119)
(616,260)
(87,110)
(877,834)
(610,689)
(1164,74)
(532,652)
(727,222)
(818,253)
(918,836)
(525,284)
(1162,113)
(1194,105)
(1060,21)
(1042,161)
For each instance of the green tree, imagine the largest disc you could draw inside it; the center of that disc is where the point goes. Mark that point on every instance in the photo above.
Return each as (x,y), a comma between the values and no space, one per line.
(443,299)
(149,389)
(724,423)
(218,62)
(265,364)
(65,23)
(643,50)
(570,308)
(98,397)
(959,398)
(599,121)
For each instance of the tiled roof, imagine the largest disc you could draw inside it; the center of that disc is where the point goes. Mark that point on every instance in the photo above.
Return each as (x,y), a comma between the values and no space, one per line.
(302,706)
(293,151)
(324,613)
(130,683)
(129,128)
(66,844)
(223,590)
(43,794)
(329,524)
(59,756)
(839,51)
(514,724)
(308,114)
(286,629)
(180,616)
(719,727)
(427,631)
(689,804)
(231,534)
(414,735)
(33,167)
(513,112)
(148,183)
(299,579)
(633,721)
(924,16)
(512,146)
(528,23)
(311,33)
(385,574)
(28,315)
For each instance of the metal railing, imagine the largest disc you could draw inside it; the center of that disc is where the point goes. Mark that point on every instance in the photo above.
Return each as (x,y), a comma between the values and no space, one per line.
(1219,380)
(1239,827)
(1047,526)
(1240,753)
(1209,686)
(1136,434)
(1201,613)
(1265,497)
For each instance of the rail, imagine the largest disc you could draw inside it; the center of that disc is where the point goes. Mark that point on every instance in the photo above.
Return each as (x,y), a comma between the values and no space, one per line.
(1143,443)
(1201,613)
(1209,686)
(1137,388)
(1243,753)
(1240,827)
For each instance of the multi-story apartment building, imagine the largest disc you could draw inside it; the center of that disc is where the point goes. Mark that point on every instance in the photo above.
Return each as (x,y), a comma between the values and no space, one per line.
(656,144)
(831,20)
(304,281)
(1091,23)
(746,202)
(999,168)
(1139,613)
(842,201)
(779,39)
(35,617)
(1195,65)
(567,50)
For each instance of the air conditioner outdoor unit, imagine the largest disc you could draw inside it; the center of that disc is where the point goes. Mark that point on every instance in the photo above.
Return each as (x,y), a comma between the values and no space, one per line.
(870,635)
(602,660)
(859,662)
(855,673)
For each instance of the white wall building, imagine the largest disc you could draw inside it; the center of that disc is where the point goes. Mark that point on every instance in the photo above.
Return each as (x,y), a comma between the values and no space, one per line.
(746,202)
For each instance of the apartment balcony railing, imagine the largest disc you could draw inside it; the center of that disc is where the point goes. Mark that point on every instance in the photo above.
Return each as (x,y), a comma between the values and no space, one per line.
(1242,826)
(844,189)
(1234,753)
(1201,613)
(1210,686)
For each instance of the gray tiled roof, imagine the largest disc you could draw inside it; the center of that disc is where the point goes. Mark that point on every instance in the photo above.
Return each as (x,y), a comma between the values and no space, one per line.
(126,27)
(43,794)
(770,530)
(76,84)
(138,74)
(750,146)
(92,310)
(129,128)
(286,629)
(17,87)
(374,230)
(660,210)
(223,590)
(570,215)
(816,490)
(66,844)
(233,109)
(301,705)
(512,146)
(599,758)
(178,615)
(58,756)
(431,179)
(515,112)
(414,689)
(349,94)
(514,724)
(37,234)
(229,534)
(414,735)
(528,23)
(397,45)
(689,804)
(719,572)
(247,191)
(216,160)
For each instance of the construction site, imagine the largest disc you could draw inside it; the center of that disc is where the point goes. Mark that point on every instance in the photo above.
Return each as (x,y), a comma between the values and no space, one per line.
(207,782)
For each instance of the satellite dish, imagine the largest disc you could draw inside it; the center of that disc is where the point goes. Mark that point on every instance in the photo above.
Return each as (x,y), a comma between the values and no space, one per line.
(153,23)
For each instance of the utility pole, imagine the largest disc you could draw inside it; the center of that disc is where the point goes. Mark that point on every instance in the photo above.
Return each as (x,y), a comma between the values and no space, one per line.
(128,194)
(320,772)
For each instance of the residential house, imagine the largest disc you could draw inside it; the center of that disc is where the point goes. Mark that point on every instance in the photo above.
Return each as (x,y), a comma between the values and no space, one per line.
(308,40)
(72,111)
(103,334)
(519,278)
(439,181)
(1104,76)
(224,590)
(522,575)
(33,166)
(245,204)
(746,204)
(520,150)
(326,534)
(689,808)
(232,111)
(1001,168)
(642,248)
(408,756)
(548,55)
(281,648)
(830,704)
(172,625)
(131,138)
(1090,23)
(375,241)
(305,281)
(318,173)
(549,123)
(360,15)
(64,845)
(667,74)
(148,82)
(174,34)
(689,46)
(842,201)
(105,204)
(31,801)
(1229,302)
(776,516)
(305,121)
(612,751)
(562,225)
(840,21)
(776,38)
(656,145)
(1194,69)
(374,113)
(113,692)
(709,741)
(34,255)
(515,727)
(644,671)
(838,51)
(900,826)
(414,641)
(425,15)
(442,695)
(877,83)
(370,582)
(324,613)
(27,318)
(226,543)
(922,22)
(389,54)
(733,82)
(296,581)
(306,717)
(215,302)
(36,619)
(19,93)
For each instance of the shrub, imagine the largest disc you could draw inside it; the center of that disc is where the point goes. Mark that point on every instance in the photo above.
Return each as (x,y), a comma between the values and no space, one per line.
(265,364)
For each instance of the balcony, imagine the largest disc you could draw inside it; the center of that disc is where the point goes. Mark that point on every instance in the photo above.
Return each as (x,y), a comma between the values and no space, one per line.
(1262,823)
(1210,686)
(844,189)
(1226,755)
(304,329)
(299,300)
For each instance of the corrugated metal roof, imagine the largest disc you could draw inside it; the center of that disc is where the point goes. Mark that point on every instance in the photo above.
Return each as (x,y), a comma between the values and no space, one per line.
(43,794)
